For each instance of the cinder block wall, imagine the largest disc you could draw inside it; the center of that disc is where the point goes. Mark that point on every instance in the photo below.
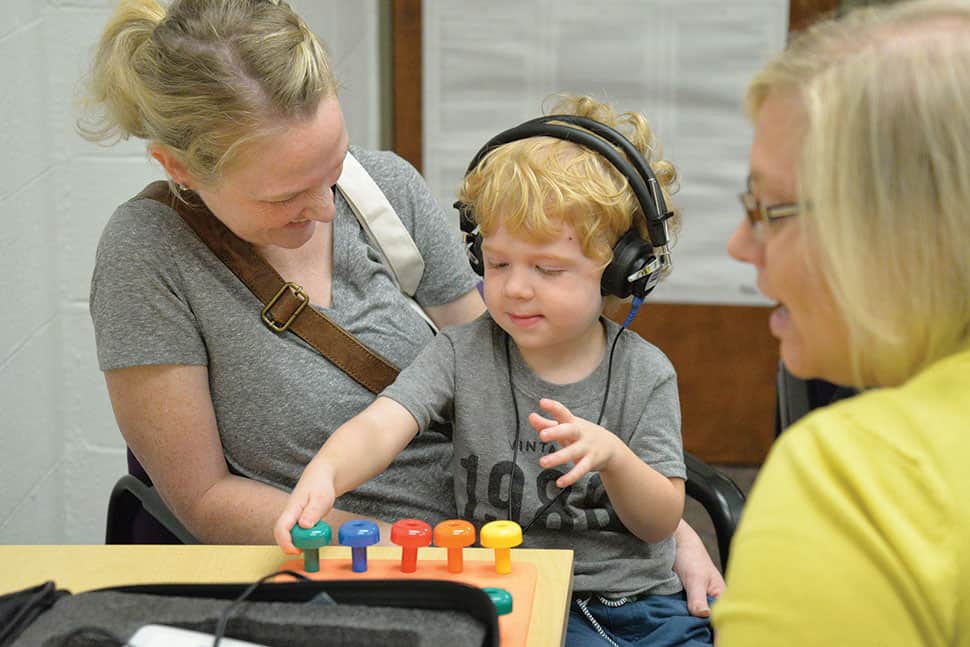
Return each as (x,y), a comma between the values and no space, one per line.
(61,451)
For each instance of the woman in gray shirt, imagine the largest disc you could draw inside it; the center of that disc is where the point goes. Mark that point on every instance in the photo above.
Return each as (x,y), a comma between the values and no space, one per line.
(237,102)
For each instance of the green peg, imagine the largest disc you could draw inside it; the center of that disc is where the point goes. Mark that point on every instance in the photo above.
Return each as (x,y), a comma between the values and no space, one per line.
(501,598)
(310,540)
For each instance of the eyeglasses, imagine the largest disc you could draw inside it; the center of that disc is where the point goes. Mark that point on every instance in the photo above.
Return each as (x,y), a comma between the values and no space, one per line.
(758,213)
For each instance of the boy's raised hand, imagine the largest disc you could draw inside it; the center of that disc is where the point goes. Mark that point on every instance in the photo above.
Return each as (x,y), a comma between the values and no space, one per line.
(588,446)
(310,501)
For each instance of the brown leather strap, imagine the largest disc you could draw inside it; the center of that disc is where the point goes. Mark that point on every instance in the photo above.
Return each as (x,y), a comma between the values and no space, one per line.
(285,302)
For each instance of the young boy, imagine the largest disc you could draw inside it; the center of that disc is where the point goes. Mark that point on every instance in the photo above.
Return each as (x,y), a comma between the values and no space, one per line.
(602,471)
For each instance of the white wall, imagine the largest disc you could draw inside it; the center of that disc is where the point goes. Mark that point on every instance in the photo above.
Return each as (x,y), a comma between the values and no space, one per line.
(60,451)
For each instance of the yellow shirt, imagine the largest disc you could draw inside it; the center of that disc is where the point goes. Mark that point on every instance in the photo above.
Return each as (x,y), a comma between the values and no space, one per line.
(857,531)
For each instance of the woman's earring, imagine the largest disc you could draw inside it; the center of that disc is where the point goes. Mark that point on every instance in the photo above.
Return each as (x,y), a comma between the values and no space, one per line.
(181,187)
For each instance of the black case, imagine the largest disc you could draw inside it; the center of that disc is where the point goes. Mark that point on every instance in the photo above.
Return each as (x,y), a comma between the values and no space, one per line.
(303,613)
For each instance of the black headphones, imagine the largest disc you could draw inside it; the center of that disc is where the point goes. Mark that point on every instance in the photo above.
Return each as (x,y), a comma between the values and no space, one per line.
(636,268)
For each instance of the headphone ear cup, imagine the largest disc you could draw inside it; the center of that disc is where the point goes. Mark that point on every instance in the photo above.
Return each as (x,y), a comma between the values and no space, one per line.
(630,254)
(471,236)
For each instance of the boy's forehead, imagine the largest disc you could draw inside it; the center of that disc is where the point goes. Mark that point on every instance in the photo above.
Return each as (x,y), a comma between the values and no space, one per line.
(559,242)
(543,230)
(547,224)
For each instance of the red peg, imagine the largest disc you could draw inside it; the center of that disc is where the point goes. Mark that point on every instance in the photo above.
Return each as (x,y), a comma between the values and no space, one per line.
(455,535)
(410,534)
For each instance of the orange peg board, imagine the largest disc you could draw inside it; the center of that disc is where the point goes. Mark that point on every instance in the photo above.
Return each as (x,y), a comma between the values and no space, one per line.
(520,583)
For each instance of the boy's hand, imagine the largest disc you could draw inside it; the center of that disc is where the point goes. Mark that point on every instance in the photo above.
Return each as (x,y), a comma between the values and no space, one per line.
(310,501)
(587,445)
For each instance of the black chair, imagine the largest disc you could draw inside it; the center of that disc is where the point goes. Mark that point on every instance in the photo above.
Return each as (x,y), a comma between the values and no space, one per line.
(720,497)
(796,397)
(137,514)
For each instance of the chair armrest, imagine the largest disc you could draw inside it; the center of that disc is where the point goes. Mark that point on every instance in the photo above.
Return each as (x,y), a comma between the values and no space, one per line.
(720,497)
(127,496)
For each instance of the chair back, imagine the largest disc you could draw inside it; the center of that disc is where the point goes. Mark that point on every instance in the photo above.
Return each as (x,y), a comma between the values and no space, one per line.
(796,397)
(137,514)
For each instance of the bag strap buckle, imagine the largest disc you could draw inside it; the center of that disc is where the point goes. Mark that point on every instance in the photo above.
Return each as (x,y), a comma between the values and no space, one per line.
(298,293)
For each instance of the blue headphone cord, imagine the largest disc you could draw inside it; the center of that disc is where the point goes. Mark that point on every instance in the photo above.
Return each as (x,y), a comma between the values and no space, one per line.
(634,309)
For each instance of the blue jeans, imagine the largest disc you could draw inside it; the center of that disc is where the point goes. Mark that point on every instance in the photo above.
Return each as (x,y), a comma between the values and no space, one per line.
(653,620)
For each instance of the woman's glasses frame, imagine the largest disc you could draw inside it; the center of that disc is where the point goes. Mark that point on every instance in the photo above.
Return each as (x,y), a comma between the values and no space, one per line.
(758,213)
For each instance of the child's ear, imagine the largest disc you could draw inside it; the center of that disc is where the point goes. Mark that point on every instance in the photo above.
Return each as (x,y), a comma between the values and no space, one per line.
(172,164)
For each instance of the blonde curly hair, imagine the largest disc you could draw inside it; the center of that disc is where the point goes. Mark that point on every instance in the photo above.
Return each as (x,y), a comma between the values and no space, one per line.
(533,186)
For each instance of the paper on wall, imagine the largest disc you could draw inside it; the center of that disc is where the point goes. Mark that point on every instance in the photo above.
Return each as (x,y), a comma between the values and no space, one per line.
(683,63)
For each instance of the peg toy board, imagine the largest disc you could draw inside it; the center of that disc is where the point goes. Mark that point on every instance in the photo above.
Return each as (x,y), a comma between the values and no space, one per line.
(520,583)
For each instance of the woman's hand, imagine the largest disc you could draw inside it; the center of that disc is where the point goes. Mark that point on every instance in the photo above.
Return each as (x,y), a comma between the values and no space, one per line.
(696,571)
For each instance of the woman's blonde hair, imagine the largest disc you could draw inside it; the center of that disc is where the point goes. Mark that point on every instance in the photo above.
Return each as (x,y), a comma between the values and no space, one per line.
(885,172)
(203,77)
(534,185)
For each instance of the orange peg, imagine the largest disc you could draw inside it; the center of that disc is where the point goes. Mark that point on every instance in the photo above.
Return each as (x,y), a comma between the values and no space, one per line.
(454,535)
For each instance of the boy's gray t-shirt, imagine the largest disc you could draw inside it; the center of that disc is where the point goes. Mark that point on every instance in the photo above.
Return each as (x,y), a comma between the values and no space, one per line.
(463,376)
(159,296)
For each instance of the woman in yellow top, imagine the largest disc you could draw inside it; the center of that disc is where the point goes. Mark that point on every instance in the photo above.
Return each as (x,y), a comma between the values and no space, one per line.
(858,529)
